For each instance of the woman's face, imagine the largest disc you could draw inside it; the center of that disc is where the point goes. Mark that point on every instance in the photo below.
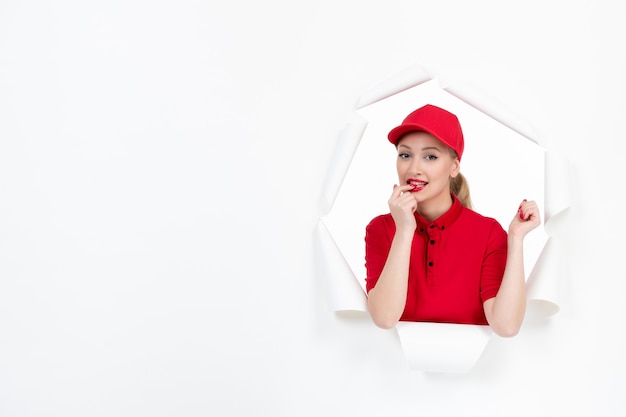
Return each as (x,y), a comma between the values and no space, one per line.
(427,164)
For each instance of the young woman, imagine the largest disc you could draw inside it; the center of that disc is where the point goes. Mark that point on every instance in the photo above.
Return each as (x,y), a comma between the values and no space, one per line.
(432,258)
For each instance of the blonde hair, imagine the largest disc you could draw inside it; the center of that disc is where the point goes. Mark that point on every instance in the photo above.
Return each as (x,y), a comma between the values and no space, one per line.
(459,185)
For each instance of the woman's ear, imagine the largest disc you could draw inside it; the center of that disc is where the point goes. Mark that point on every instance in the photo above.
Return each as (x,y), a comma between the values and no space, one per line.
(456,168)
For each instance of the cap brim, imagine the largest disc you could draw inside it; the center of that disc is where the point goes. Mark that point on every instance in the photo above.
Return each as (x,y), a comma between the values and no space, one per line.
(396,133)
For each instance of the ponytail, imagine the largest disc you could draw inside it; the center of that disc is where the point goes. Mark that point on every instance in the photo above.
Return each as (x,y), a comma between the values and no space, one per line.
(460,187)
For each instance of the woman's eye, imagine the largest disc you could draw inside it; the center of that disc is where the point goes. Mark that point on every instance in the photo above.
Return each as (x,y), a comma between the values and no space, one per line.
(403,155)
(431,157)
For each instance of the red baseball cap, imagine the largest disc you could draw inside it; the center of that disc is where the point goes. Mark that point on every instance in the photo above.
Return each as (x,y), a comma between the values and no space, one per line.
(438,122)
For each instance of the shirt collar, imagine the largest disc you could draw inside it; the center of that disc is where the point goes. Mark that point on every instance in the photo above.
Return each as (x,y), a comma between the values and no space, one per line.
(443,221)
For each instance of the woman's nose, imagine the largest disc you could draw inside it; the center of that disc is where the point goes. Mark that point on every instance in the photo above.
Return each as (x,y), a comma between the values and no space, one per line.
(416,167)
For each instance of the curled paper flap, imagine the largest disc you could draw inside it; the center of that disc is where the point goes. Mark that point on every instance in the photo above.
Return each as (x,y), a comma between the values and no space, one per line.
(406,79)
(347,143)
(543,281)
(489,106)
(442,347)
(557,189)
(342,288)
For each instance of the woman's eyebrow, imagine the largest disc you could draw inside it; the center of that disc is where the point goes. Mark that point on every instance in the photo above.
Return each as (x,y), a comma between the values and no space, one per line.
(423,149)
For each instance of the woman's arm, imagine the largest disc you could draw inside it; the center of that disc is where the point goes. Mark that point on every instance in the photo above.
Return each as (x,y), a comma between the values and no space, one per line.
(505,312)
(386,301)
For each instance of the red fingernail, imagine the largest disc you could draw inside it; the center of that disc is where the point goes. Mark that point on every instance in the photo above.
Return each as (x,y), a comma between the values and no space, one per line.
(521,213)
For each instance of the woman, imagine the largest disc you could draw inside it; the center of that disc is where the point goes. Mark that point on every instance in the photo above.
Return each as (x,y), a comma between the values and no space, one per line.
(432,258)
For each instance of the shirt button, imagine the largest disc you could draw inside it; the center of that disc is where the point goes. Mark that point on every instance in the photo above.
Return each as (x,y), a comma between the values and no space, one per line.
(430,263)
(422,229)
(432,242)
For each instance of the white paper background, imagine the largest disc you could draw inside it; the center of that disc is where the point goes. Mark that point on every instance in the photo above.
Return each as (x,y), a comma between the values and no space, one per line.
(161,167)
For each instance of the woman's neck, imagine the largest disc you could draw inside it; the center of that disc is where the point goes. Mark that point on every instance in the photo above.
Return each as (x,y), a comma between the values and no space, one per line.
(432,210)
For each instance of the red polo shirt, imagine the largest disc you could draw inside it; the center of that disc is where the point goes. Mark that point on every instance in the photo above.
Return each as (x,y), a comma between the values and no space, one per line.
(457,262)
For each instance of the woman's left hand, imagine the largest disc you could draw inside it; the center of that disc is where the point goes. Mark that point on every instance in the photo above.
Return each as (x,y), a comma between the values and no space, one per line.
(526,219)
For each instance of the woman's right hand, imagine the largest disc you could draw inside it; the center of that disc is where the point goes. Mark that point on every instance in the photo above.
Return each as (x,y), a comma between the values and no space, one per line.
(402,205)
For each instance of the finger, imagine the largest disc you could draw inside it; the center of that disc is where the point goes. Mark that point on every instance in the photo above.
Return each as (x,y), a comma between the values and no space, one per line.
(407,200)
(400,189)
(525,207)
(404,202)
(532,213)
(521,209)
(528,210)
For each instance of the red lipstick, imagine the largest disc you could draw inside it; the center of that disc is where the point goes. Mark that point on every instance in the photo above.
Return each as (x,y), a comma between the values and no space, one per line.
(418,185)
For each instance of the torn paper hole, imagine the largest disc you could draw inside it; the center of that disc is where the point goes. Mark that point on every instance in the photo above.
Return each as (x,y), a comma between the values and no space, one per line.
(502,162)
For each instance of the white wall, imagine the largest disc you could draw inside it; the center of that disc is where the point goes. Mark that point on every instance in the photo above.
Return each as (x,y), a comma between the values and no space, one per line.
(161,165)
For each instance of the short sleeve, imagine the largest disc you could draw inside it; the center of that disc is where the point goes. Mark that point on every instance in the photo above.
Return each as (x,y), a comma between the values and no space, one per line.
(378,236)
(494,262)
